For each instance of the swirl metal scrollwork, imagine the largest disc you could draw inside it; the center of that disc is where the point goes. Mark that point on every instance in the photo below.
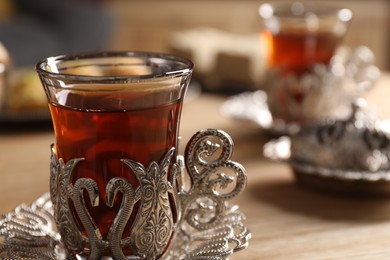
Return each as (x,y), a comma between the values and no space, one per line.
(207,160)
(210,227)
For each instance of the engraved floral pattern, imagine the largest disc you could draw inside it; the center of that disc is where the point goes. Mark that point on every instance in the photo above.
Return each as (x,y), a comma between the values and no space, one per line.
(154,223)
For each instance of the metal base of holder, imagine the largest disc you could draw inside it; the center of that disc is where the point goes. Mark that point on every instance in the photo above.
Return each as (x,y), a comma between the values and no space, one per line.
(209,228)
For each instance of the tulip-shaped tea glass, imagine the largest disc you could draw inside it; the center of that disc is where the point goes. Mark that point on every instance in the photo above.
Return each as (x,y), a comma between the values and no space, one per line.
(113,165)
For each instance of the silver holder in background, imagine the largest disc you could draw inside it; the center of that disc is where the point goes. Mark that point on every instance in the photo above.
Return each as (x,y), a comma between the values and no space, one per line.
(328,91)
(209,227)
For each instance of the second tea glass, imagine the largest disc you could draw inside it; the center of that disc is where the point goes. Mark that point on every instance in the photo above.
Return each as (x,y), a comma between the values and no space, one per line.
(300,42)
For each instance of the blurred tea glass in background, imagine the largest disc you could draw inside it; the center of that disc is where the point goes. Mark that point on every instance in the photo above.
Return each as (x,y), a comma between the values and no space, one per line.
(300,43)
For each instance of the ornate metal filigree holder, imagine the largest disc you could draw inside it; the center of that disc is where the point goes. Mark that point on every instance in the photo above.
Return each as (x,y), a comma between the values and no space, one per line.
(208,227)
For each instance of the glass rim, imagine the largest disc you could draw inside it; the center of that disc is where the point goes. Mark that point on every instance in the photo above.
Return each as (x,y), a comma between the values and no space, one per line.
(284,9)
(188,66)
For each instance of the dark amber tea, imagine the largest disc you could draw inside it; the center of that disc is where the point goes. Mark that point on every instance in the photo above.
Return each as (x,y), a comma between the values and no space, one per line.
(297,51)
(116,118)
(299,35)
(104,137)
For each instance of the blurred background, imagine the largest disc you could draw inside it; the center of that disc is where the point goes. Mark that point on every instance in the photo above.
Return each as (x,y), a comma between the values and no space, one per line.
(220,36)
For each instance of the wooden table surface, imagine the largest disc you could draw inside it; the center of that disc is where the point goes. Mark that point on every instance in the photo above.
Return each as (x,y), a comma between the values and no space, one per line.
(287,221)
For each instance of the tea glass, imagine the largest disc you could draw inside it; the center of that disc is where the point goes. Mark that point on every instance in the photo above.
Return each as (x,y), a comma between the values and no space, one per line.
(303,79)
(116,118)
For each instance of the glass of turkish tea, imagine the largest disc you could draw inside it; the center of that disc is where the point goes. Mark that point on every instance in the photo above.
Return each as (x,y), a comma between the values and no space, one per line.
(300,42)
(113,167)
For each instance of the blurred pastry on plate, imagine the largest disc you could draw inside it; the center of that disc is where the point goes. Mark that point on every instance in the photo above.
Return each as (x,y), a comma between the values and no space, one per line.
(5,61)
(25,92)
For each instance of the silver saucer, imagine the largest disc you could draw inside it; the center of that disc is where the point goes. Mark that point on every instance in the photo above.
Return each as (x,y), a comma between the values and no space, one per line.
(29,232)
(253,107)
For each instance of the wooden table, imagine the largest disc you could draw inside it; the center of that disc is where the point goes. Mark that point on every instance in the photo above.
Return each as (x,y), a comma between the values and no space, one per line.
(287,221)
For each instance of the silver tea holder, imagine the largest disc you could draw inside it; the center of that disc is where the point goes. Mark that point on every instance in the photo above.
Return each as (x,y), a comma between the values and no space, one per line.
(328,92)
(209,227)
